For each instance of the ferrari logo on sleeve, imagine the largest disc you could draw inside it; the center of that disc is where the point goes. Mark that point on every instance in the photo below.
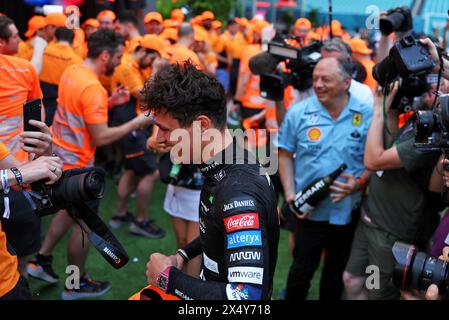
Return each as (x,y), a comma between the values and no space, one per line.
(357,119)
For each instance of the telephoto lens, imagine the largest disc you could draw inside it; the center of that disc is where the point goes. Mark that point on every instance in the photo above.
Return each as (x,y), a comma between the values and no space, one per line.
(416,270)
(81,187)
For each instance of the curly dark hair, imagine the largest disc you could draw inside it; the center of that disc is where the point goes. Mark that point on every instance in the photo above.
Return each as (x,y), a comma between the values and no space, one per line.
(184,92)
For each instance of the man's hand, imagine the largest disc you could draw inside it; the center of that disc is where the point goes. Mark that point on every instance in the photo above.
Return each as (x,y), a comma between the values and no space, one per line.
(290,199)
(433,52)
(379,98)
(157,64)
(343,189)
(41,142)
(43,168)
(158,262)
(179,261)
(120,96)
(142,121)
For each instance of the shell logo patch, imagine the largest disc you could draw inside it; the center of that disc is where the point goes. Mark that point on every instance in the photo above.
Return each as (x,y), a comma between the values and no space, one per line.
(314,134)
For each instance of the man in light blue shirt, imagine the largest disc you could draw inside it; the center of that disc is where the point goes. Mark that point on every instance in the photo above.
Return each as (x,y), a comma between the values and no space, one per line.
(317,136)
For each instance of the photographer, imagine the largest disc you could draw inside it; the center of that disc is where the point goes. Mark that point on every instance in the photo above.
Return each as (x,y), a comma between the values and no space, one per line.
(399,205)
(13,286)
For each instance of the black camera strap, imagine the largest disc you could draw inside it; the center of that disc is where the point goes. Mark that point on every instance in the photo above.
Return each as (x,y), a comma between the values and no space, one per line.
(101,237)
(440,74)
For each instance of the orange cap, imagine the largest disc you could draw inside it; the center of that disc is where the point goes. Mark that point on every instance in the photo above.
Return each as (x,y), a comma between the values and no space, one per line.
(195,20)
(56,19)
(177,14)
(106,14)
(200,34)
(216,24)
(153,15)
(170,33)
(35,23)
(91,23)
(258,25)
(170,23)
(208,15)
(154,42)
(242,22)
(359,46)
(303,23)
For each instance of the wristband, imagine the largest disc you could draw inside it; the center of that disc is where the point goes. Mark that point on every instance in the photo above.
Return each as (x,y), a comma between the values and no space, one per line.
(361,181)
(183,254)
(163,279)
(5,185)
(17,175)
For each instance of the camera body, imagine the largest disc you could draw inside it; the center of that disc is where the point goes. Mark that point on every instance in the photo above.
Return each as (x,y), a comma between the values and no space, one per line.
(299,63)
(416,270)
(397,19)
(432,127)
(408,61)
(74,186)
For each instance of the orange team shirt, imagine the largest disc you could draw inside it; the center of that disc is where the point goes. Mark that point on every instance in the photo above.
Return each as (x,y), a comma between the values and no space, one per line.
(19,83)
(237,45)
(26,49)
(251,96)
(82,100)
(129,75)
(80,48)
(369,65)
(57,57)
(181,53)
(9,275)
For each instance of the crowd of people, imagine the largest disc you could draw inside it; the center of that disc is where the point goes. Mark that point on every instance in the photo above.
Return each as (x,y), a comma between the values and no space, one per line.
(98,84)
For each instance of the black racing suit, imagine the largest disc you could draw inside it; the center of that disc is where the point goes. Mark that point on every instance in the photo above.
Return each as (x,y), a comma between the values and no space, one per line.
(239,235)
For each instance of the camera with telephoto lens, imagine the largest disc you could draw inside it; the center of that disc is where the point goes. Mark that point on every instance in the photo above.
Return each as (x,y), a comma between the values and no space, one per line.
(396,20)
(74,186)
(299,62)
(408,62)
(432,127)
(417,270)
(74,191)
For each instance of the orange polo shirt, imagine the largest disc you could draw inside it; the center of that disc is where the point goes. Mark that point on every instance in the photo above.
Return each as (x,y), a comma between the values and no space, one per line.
(57,57)
(82,100)
(19,83)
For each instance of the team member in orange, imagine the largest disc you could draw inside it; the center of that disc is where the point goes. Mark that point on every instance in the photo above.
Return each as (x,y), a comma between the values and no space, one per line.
(88,27)
(52,22)
(361,53)
(207,57)
(153,23)
(79,126)
(248,92)
(181,51)
(207,18)
(13,286)
(140,166)
(237,44)
(106,19)
(126,25)
(301,31)
(58,56)
(178,15)
(19,83)
(35,29)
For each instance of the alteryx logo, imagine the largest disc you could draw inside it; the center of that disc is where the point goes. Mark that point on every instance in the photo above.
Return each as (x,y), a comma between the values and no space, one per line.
(244,238)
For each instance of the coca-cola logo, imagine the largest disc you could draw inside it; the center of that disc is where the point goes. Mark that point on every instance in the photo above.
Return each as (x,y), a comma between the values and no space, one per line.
(242,221)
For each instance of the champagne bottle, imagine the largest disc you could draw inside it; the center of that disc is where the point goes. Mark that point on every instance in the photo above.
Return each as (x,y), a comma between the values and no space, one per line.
(307,199)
